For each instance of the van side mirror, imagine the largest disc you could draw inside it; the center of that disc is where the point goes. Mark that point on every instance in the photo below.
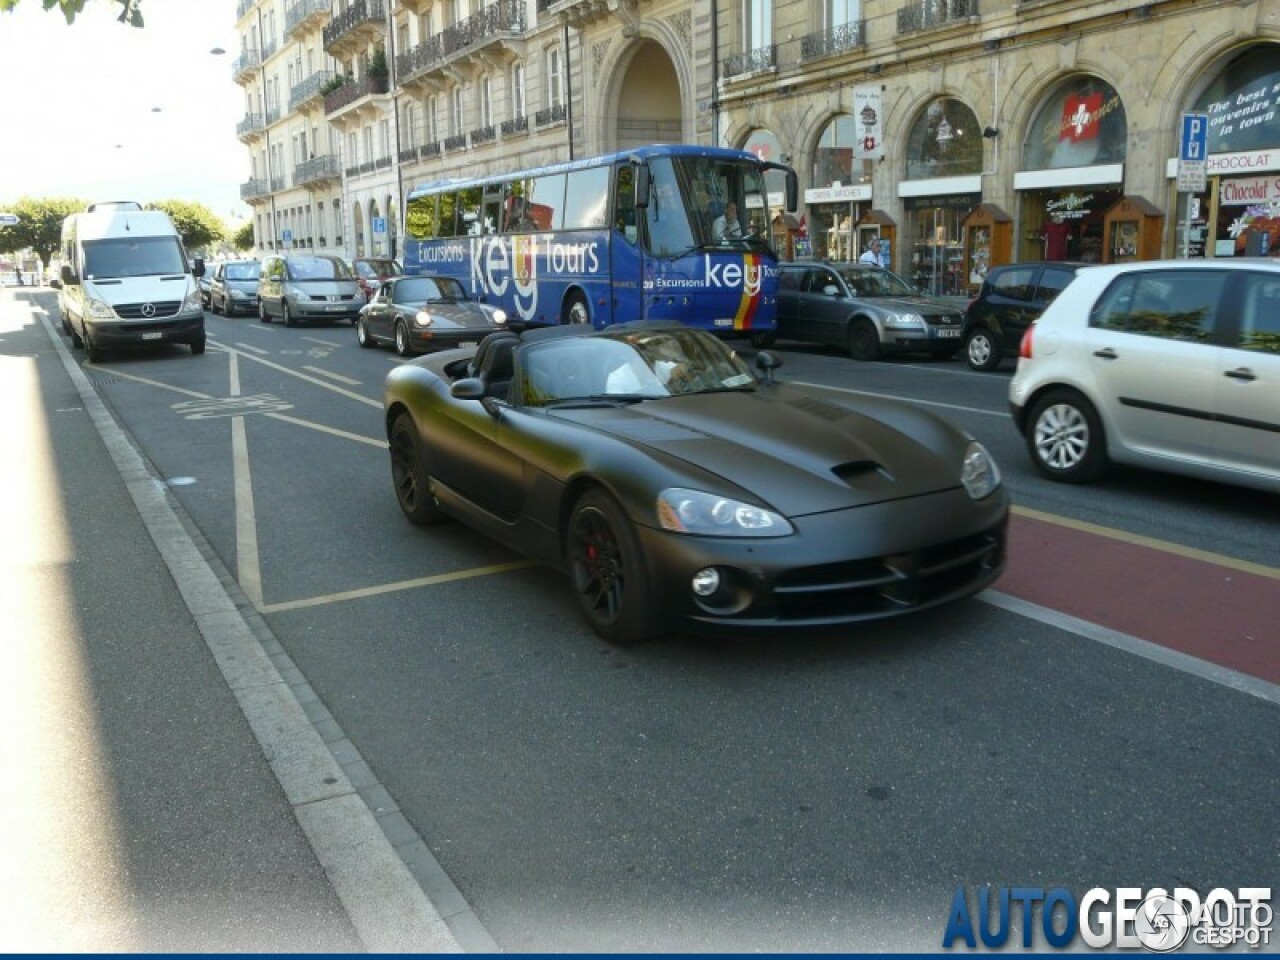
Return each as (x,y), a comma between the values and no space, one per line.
(68,276)
(644,181)
(197,267)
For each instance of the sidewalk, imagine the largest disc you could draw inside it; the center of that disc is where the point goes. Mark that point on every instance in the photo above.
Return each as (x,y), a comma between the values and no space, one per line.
(162,787)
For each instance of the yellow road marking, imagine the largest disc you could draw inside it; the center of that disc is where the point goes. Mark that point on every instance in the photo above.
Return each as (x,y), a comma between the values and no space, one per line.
(396,587)
(1231,563)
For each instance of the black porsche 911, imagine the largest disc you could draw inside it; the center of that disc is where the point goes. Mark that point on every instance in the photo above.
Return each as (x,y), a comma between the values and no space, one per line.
(678,489)
(416,314)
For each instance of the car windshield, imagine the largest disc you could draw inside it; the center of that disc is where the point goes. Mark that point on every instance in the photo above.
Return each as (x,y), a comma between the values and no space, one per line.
(877,283)
(372,269)
(317,268)
(141,257)
(421,289)
(626,366)
(241,271)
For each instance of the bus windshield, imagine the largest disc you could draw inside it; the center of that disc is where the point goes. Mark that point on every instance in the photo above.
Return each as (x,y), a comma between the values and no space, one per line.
(141,257)
(701,202)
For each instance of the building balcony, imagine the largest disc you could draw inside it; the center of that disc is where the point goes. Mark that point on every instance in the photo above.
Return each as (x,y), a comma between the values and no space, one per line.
(317,170)
(456,142)
(251,127)
(269,48)
(354,27)
(514,126)
(352,93)
(550,115)
(409,155)
(484,135)
(834,40)
(244,65)
(497,27)
(255,189)
(304,16)
(928,14)
(243,7)
(309,90)
(749,61)
(429,151)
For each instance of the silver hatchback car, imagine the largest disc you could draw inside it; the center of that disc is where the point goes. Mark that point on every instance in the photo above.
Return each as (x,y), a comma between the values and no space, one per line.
(1170,365)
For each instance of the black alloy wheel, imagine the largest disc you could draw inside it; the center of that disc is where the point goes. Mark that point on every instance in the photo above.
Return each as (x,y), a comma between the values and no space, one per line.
(607,570)
(864,341)
(409,474)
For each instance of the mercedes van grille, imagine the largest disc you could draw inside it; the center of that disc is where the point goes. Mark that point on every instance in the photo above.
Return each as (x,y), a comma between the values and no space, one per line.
(139,311)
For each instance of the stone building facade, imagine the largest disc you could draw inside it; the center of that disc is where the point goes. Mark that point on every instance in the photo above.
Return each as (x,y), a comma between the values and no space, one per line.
(964,133)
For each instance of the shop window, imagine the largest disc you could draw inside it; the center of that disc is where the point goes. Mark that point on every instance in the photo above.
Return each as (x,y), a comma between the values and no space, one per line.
(1082,123)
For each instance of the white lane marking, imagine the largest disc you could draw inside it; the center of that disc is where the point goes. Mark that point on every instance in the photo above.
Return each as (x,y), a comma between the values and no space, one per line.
(333,376)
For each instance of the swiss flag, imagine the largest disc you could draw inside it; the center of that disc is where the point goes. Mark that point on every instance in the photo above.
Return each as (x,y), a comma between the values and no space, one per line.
(1080,117)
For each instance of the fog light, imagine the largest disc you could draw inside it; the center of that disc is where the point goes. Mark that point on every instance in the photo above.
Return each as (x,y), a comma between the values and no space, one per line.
(706,581)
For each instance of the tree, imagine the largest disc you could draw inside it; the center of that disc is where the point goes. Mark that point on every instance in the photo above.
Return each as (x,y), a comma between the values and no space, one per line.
(242,239)
(198,226)
(39,226)
(130,10)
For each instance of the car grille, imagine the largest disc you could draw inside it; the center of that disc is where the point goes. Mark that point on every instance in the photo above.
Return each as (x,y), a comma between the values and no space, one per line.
(331,297)
(133,311)
(945,320)
(887,584)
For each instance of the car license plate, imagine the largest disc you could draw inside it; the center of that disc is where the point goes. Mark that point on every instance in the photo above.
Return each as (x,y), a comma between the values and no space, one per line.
(949,332)
(467,343)
(157,335)
(336,308)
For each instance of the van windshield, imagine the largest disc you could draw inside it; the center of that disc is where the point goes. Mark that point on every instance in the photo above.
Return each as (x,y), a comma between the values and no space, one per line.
(133,257)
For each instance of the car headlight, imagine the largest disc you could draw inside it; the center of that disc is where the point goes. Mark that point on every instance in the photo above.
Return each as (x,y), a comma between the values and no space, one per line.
(422,319)
(238,295)
(499,316)
(907,321)
(692,511)
(100,308)
(192,301)
(979,473)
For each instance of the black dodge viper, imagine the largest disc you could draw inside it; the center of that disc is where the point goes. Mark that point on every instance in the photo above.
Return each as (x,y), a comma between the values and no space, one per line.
(677,488)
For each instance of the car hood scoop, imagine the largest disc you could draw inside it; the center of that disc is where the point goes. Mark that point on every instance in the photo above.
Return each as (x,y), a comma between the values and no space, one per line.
(800,453)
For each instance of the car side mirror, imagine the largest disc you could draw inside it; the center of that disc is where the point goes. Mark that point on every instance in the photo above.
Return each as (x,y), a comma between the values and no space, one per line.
(68,276)
(468,388)
(55,283)
(767,361)
(197,268)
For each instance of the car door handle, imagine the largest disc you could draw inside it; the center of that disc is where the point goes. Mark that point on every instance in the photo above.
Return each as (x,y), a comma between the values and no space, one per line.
(1106,353)
(1241,373)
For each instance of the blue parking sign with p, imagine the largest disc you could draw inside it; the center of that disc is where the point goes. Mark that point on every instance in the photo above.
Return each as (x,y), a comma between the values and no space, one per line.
(1195,137)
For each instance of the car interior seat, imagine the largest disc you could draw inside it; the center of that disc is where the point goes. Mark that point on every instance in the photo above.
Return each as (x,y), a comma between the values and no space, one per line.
(498,366)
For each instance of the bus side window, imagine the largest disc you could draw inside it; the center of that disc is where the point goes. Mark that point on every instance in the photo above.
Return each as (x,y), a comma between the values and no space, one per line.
(470,212)
(624,201)
(448,214)
(421,220)
(547,208)
(492,207)
(587,199)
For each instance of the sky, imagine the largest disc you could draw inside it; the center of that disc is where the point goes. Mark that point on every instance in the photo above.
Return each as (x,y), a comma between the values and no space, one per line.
(103,111)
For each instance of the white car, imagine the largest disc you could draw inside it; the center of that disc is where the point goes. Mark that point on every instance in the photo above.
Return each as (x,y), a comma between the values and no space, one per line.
(1171,365)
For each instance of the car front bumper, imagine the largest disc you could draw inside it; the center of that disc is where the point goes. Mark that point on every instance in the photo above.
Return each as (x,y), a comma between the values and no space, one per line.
(113,333)
(865,563)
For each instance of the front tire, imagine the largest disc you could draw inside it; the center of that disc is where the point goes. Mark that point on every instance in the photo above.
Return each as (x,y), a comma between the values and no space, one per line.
(285,317)
(402,340)
(409,474)
(1065,438)
(197,346)
(864,341)
(981,350)
(263,315)
(607,570)
(362,334)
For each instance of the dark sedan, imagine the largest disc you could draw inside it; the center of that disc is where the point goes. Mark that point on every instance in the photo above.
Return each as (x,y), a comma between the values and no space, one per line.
(864,309)
(234,287)
(676,488)
(415,314)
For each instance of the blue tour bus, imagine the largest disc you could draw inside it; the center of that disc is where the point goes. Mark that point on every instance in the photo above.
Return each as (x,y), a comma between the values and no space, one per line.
(637,235)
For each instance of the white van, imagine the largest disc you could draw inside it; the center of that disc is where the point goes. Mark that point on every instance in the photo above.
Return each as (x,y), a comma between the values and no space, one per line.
(125,281)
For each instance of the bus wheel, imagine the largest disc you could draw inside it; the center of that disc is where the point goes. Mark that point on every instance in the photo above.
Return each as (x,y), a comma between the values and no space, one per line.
(575,309)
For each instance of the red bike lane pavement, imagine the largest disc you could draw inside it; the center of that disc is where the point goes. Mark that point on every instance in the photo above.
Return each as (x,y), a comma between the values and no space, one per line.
(1211,607)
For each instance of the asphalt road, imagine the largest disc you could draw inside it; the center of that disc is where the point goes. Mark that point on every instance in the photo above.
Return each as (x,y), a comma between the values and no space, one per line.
(792,792)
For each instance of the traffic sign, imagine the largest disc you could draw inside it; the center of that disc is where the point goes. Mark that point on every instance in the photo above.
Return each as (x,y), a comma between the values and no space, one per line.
(1193,176)
(287,236)
(379,224)
(8,219)
(1193,145)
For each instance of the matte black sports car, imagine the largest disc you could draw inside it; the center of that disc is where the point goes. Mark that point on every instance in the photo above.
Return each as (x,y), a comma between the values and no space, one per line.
(675,488)
(420,313)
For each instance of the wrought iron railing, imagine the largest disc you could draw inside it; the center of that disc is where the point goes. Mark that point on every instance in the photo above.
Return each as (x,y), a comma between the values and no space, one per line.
(243,7)
(430,150)
(250,125)
(308,88)
(456,142)
(824,43)
(749,61)
(504,18)
(926,14)
(352,91)
(484,135)
(303,9)
(409,155)
(516,125)
(252,189)
(316,169)
(249,59)
(358,14)
(554,114)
